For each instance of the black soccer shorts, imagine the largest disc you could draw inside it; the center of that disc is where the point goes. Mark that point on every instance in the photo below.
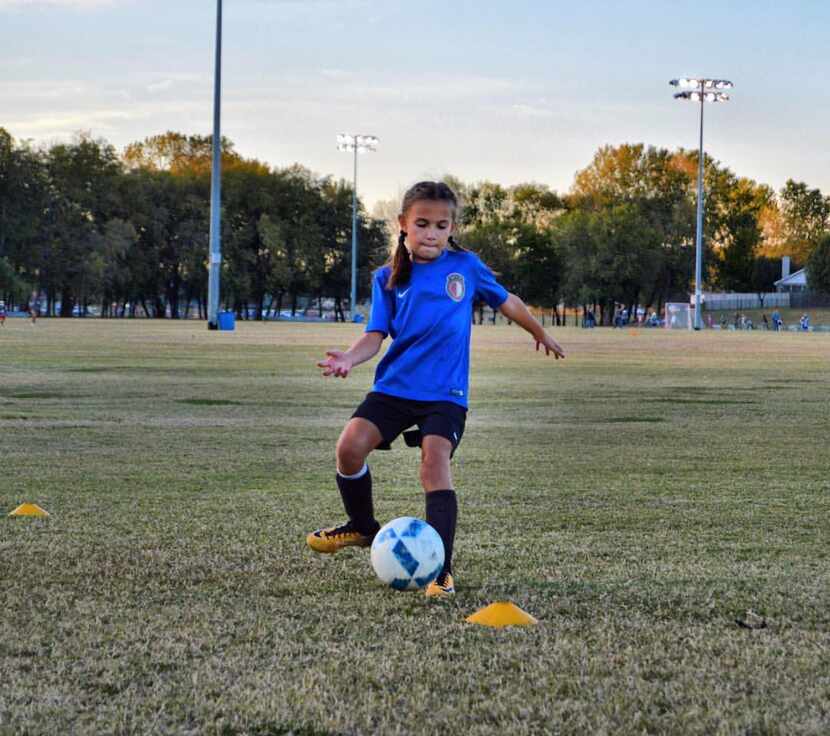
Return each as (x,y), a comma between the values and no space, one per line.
(392,415)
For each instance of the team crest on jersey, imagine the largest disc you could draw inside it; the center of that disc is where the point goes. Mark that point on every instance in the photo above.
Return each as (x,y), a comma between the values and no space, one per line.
(455,287)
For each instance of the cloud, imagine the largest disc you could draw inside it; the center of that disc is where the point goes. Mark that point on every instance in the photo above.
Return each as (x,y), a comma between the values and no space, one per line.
(419,91)
(336,74)
(532,111)
(70,122)
(37,90)
(77,4)
(168,81)
(161,86)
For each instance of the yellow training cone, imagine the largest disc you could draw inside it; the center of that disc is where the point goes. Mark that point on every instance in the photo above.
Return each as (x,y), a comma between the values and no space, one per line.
(29,509)
(501,614)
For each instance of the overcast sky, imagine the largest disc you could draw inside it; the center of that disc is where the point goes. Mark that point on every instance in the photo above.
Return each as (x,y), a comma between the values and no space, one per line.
(510,91)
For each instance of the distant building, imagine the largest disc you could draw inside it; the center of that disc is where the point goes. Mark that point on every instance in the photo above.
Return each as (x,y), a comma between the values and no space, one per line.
(794,282)
(791,282)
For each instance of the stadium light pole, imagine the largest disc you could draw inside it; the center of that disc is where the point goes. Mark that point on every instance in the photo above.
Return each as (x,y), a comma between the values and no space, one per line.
(357,144)
(702,91)
(216,184)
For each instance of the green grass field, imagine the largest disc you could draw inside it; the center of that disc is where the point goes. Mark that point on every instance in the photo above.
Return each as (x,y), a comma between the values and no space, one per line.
(659,501)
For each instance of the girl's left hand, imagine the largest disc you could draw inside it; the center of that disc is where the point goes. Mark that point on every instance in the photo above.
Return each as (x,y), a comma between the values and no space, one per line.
(550,345)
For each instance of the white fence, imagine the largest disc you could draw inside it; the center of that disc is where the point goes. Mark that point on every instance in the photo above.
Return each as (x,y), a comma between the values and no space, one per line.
(713,302)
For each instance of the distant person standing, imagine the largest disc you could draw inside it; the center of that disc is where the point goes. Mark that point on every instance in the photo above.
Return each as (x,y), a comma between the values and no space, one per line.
(776,320)
(805,322)
(766,321)
(589,320)
(34,310)
(2,314)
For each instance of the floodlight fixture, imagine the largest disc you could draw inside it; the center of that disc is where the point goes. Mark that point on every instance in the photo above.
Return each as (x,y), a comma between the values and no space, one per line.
(355,144)
(701,83)
(361,143)
(707,96)
(701,90)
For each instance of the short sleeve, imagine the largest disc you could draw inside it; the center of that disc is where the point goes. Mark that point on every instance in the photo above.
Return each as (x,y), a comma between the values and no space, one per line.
(380,317)
(487,288)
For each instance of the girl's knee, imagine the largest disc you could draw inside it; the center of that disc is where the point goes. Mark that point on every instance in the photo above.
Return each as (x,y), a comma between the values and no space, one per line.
(351,455)
(435,470)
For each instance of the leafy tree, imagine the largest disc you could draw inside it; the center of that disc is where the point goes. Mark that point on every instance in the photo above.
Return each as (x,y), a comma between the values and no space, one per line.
(84,176)
(613,255)
(252,236)
(508,229)
(182,154)
(24,197)
(108,262)
(538,268)
(765,272)
(387,211)
(535,205)
(10,283)
(739,237)
(655,178)
(818,266)
(660,185)
(806,217)
(773,236)
(484,204)
(373,237)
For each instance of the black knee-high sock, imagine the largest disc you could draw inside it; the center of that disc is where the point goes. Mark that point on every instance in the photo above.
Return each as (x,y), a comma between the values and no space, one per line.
(442,512)
(356,492)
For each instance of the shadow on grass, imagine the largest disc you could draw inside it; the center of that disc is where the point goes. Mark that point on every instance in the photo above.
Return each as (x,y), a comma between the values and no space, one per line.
(38,395)
(715,402)
(630,420)
(273,729)
(209,402)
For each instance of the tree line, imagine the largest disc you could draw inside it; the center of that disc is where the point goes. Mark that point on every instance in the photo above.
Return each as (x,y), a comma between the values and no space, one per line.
(84,226)
(127,233)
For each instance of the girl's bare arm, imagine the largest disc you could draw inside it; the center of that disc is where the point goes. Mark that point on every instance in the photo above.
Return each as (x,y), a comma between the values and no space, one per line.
(339,363)
(516,311)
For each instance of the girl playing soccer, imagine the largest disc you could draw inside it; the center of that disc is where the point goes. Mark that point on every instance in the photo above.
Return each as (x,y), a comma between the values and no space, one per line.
(423,298)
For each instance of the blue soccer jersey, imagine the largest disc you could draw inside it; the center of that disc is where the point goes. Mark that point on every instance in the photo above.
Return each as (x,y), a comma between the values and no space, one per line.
(430,320)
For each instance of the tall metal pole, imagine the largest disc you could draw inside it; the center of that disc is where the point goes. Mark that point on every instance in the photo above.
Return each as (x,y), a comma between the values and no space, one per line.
(216,183)
(355,144)
(699,236)
(354,238)
(705,90)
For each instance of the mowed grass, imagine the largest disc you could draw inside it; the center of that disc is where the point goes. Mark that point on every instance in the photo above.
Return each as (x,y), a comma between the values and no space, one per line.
(659,501)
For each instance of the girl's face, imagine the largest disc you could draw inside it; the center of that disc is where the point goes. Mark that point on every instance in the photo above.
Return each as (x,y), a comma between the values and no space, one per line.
(428,225)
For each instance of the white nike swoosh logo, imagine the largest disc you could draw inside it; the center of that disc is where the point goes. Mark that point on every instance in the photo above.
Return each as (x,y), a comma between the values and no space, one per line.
(402,294)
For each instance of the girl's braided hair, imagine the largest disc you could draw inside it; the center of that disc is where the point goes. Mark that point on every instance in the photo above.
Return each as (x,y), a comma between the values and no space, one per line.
(400,261)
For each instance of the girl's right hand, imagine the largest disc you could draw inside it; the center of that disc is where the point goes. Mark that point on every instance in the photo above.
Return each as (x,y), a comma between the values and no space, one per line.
(336,364)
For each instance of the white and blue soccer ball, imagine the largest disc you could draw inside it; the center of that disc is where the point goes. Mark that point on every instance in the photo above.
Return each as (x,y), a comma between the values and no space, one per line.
(407,553)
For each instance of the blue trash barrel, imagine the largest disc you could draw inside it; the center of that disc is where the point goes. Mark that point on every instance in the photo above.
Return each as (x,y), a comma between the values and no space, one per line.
(227,320)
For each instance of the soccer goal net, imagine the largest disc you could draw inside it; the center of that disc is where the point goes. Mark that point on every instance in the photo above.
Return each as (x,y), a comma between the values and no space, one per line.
(678,316)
